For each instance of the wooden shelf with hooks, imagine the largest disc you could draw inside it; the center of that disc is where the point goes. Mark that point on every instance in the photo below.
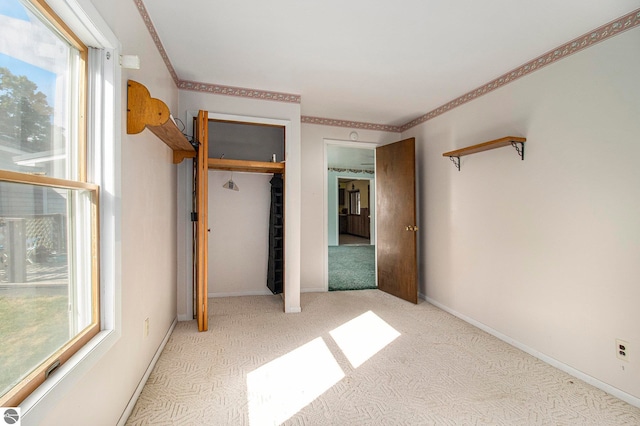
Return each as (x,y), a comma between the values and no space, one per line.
(515,141)
(143,111)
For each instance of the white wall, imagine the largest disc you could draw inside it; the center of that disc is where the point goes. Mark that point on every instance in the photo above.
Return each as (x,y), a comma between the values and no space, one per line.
(314,225)
(239,237)
(245,109)
(148,245)
(545,250)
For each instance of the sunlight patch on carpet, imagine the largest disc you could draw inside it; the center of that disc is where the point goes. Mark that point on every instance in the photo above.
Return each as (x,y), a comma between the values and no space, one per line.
(363,337)
(278,390)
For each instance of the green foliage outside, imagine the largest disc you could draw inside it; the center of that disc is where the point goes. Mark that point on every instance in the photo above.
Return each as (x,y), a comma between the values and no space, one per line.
(31,329)
(25,115)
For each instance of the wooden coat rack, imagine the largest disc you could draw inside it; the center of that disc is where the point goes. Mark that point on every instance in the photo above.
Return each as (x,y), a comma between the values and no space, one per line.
(143,111)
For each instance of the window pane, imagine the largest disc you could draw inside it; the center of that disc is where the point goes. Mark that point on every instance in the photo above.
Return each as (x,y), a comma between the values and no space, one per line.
(354,202)
(37,71)
(46,294)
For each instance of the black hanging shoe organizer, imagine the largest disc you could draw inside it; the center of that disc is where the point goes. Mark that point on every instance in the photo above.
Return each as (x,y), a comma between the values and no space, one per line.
(275,274)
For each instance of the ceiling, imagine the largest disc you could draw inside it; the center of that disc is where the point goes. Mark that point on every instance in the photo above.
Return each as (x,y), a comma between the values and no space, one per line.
(374,61)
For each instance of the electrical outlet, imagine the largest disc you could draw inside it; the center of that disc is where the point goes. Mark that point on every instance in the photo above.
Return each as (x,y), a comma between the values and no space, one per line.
(622,349)
(146,327)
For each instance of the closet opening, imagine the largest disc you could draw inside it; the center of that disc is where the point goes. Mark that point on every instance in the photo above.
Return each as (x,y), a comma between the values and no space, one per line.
(232,241)
(245,208)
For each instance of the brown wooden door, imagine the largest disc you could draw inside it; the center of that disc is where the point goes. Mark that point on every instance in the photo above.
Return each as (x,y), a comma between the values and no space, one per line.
(202,231)
(396,219)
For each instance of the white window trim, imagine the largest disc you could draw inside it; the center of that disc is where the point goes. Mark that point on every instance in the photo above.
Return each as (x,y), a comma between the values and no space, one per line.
(103,139)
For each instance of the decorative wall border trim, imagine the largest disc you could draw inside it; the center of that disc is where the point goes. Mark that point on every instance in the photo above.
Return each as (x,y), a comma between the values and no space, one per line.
(341,170)
(615,27)
(156,39)
(351,124)
(238,91)
(602,33)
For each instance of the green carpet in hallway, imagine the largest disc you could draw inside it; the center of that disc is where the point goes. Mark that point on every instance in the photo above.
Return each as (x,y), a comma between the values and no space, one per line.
(352,267)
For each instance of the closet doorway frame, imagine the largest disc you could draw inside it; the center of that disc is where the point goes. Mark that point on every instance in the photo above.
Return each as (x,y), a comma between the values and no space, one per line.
(289,228)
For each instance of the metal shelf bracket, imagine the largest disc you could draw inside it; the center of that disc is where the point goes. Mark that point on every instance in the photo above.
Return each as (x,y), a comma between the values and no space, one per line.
(455,161)
(519,146)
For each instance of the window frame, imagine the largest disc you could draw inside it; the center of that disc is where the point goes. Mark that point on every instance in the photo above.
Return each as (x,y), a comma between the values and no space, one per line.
(102,126)
(82,106)
(37,376)
(77,180)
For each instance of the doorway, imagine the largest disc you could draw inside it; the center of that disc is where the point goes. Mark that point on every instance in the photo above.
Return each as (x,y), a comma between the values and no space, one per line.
(291,289)
(350,213)
(395,245)
(239,204)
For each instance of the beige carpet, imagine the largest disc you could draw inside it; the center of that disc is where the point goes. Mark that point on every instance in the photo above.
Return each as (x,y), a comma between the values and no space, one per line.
(358,358)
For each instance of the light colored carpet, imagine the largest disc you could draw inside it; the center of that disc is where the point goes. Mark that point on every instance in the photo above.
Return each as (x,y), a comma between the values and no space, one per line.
(352,267)
(358,358)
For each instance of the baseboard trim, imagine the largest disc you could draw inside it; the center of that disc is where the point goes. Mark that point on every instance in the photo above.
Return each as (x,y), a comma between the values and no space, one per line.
(264,292)
(628,398)
(132,402)
(184,318)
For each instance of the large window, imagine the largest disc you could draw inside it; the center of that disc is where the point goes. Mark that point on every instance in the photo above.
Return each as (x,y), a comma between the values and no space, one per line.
(49,305)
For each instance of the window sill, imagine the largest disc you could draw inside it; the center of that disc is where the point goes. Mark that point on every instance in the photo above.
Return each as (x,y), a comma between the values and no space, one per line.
(44,399)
